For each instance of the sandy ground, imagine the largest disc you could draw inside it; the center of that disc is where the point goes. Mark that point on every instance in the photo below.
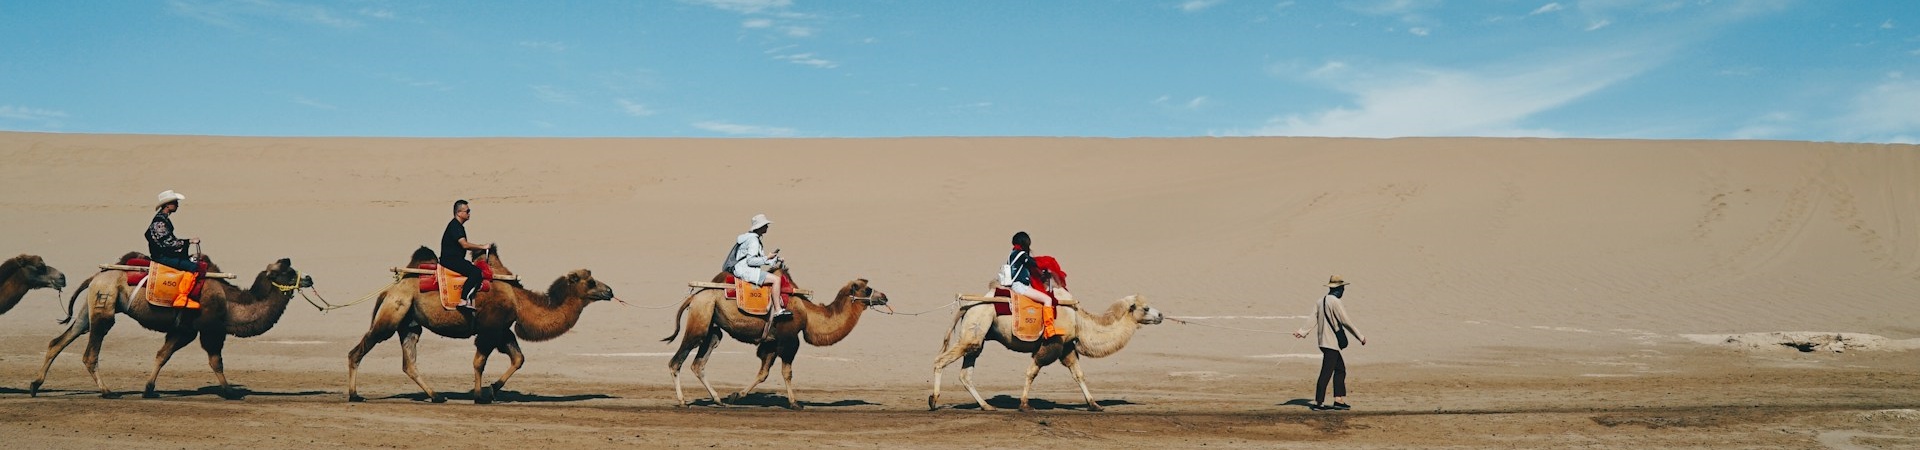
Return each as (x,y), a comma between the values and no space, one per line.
(1517,293)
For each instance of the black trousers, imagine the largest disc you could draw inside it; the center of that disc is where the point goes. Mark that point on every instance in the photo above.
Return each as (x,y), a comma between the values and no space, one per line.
(177,263)
(465,269)
(1333,367)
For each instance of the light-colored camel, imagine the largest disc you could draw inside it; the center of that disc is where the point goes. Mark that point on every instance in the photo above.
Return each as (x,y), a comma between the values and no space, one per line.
(709,314)
(503,315)
(25,273)
(1082,334)
(225,310)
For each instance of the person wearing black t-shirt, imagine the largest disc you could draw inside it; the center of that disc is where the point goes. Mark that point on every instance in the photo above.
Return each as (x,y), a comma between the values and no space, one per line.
(453,249)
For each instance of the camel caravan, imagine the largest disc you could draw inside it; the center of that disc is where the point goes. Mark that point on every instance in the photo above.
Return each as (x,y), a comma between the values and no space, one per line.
(465,291)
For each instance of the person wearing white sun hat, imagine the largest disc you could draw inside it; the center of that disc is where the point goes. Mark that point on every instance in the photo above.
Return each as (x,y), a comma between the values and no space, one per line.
(169,250)
(752,263)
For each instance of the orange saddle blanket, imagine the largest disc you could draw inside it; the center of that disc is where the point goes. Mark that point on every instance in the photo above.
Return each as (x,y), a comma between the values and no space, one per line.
(1032,319)
(757,300)
(448,283)
(165,283)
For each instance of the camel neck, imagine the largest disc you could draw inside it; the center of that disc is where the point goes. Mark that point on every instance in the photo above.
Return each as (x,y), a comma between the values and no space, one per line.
(540,317)
(828,324)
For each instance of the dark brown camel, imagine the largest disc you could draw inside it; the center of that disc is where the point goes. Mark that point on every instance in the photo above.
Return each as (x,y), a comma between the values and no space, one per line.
(25,273)
(226,310)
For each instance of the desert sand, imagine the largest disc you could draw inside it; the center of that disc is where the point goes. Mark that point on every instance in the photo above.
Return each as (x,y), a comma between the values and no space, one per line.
(1516,293)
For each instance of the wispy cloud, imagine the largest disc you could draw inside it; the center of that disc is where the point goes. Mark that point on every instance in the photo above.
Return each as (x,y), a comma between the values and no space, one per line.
(1771,126)
(552,94)
(1193,6)
(1547,8)
(377,13)
(1482,101)
(42,117)
(743,130)
(1887,25)
(635,109)
(418,83)
(756,23)
(1598,24)
(232,14)
(1419,31)
(798,31)
(1170,102)
(552,46)
(744,6)
(807,59)
(311,103)
(1885,111)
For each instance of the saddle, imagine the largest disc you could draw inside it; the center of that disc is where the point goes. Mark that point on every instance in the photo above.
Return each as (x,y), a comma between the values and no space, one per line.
(449,288)
(163,283)
(1032,319)
(757,300)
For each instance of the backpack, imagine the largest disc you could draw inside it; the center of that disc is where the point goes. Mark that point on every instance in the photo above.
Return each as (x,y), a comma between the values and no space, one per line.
(733,257)
(1007,270)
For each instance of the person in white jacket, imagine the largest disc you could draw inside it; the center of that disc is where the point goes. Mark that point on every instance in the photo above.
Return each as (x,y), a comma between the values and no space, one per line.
(1330,330)
(752,264)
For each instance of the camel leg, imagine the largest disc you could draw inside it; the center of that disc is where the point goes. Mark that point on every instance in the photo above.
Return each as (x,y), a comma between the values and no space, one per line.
(700,365)
(374,336)
(1072,360)
(59,344)
(483,347)
(941,362)
(787,350)
(409,351)
(966,379)
(510,346)
(766,352)
(680,357)
(91,359)
(175,340)
(1033,371)
(213,343)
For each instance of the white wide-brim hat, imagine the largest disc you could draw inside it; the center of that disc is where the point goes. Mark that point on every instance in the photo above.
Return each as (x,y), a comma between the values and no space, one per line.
(759,220)
(169,196)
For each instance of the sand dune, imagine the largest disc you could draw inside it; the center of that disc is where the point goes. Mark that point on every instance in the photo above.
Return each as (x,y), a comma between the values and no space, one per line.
(1462,251)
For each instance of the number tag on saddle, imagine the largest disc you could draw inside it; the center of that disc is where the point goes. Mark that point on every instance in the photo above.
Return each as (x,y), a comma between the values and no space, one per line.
(753,299)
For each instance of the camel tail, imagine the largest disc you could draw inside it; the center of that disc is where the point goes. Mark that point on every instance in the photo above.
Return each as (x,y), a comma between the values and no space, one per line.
(957,314)
(676,318)
(71,300)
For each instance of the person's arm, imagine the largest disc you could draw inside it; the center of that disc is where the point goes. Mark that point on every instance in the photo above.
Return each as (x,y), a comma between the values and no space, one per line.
(1339,311)
(464,243)
(1302,331)
(162,236)
(756,255)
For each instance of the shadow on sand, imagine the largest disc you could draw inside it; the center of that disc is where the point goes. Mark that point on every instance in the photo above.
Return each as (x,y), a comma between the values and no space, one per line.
(1010,402)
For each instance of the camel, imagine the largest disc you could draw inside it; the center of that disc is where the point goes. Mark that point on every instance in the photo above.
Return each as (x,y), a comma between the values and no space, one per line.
(504,314)
(1082,334)
(709,313)
(25,273)
(226,310)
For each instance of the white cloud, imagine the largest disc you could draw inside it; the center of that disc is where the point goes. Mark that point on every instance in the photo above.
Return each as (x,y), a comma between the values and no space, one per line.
(1771,126)
(743,130)
(1419,31)
(311,103)
(552,94)
(1598,24)
(756,23)
(551,46)
(1888,25)
(1193,6)
(1328,69)
(43,117)
(635,109)
(1391,7)
(229,14)
(1485,101)
(1197,102)
(807,59)
(797,31)
(1547,8)
(1885,110)
(1194,103)
(744,6)
(377,13)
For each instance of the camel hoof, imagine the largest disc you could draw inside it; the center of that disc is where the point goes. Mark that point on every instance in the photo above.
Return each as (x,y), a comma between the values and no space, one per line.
(1095,407)
(734,397)
(796,406)
(34,390)
(988,408)
(149,394)
(436,398)
(482,398)
(490,393)
(932,403)
(1025,409)
(356,398)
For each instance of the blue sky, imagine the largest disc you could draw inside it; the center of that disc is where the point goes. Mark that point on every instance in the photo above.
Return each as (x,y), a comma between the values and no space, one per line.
(1839,70)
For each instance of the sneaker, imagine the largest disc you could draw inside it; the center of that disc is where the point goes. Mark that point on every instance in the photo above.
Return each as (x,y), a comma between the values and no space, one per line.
(783,313)
(1320,407)
(1342,406)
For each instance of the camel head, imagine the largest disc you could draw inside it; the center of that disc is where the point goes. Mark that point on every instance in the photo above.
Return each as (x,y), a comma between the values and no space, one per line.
(858,290)
(1142,314)
(37,273)
(580,283)
(283,276)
